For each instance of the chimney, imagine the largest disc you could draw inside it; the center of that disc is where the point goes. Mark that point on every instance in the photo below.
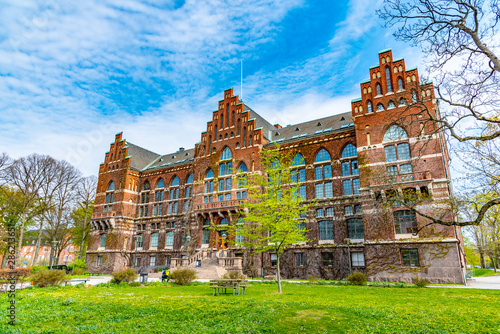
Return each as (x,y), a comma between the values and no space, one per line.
(277,126)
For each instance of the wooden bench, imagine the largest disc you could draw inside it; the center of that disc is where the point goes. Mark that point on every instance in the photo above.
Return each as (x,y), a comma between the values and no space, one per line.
(85,280)
(234,284)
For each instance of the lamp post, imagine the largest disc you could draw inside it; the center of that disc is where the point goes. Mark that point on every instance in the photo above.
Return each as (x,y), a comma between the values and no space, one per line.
(188,238)
(138,239)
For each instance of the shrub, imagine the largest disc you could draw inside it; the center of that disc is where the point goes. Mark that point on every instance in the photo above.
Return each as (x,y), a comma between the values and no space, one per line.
(183,276)
(135,284)
(232,274)
(312,278)
(78,264)
(127,275)
(79,271)
(421,283)
(38,268)
(357,278)
(44,277)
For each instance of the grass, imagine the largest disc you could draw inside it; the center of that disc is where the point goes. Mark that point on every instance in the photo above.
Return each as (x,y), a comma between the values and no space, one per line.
(485,272)
(304,308)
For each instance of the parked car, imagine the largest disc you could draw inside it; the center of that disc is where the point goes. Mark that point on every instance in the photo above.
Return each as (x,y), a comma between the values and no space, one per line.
(477,267)
(488,267)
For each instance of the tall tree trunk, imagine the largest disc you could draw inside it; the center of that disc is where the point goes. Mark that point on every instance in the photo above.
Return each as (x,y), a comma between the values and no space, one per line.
(84,232)
(38,242)
(20,241)
(481,258)
(278,273)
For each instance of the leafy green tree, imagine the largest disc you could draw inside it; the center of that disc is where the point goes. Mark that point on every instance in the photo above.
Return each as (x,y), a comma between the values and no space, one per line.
(275,212)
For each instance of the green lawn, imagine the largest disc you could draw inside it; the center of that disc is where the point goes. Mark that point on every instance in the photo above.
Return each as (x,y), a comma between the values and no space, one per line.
(302,308)
(485,272)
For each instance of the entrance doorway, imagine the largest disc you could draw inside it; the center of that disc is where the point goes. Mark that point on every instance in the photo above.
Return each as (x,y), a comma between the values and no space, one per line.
(222,240)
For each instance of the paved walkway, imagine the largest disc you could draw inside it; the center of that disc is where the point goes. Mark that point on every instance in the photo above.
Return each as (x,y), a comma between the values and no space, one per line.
(484,282)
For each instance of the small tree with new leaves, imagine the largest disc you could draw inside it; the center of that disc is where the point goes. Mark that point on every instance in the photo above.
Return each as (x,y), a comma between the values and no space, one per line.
(274,215)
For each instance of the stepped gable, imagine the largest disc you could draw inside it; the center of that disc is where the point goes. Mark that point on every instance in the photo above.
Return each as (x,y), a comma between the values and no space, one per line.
(178,158)
(140,157)
(319,126)
(260,122)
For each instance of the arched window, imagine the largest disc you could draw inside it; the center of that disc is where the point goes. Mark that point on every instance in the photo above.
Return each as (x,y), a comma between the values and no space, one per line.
(391,104)
(413,96)
(224,221)
(394,133)
(146,186)
(388,78)
(160,184)
(379,89)
(111,186)
(400,83)
(380,107)
(369,107)
(349,151)
(322,155)
(190,178)
(402,102)
(242,168)
(175,181)
(222,121)
(226,154)
(298,160)
(210,173)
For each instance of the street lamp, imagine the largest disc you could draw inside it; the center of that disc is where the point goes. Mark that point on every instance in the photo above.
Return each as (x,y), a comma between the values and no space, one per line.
(188,238)
(138,239)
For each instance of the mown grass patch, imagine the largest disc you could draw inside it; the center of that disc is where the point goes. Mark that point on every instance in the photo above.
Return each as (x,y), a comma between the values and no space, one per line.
(165,308)
(484,272)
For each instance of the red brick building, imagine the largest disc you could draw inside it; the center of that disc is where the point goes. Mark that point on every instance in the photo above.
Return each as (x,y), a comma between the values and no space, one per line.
(358,167)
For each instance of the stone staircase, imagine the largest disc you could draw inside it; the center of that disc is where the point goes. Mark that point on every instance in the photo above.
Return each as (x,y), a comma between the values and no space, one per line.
(214,264)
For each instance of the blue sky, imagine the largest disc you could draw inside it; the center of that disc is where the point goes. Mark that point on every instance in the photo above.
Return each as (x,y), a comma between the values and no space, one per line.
(74,73)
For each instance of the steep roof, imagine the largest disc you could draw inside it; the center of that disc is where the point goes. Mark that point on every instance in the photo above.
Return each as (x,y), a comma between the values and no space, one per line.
(167,160)
(260,122)
(334,123)
(140,157)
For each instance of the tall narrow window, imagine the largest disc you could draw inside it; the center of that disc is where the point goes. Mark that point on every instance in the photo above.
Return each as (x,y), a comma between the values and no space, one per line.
(244,137)
(233,119)
(227,115)
(379,89)
(326,230)
(154,239)
(239,127)
(102,240)
(388,78)
(369,107)
(400,83)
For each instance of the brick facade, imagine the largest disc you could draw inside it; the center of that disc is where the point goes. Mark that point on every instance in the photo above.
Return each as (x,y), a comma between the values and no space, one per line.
(134,183)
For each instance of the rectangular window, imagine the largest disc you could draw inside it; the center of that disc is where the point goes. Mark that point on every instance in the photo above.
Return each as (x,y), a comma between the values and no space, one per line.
(358,259)
(169,240)
(137,261)
(239,236)
(176,205)
(293,176)
(327,259)
(358,209)
(155,210)
(205,199)
(346,187)
(320,213)
(392,170)
(141,211)
(300,259)
(348,210)
(99,260)
(228,183)
(403,151)
(355,186)
(346,168)
(319,190)
(170,206)
(152,261)
(390,153)
(210,199)
(186,205)
(160,209)
(354,167)
(326,230)
(274,260)
(355,228)
(187,192)
(221,185)
(302,175)
(238,195)
(154,239)
(328,190)
(243,194)
(205,236)
(302,192)
(405,222)
(227,197)
(329,212)
(328,171)
(318,173)
(222,169)
(220,198)
(406,168)
(145,211)
(409,257)
(102,240)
